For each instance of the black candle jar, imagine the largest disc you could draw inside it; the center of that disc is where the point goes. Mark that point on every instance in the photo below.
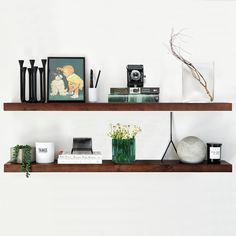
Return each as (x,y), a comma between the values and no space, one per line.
(213,153)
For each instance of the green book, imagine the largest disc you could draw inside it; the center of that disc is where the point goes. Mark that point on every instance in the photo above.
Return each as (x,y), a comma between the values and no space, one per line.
(119,91)
(140,98)
(117,98)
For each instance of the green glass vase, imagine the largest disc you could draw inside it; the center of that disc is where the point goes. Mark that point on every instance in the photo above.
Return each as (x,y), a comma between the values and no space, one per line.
(123,151)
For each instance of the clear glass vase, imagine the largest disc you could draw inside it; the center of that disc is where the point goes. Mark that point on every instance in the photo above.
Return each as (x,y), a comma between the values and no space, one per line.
(192,90)
(123,151)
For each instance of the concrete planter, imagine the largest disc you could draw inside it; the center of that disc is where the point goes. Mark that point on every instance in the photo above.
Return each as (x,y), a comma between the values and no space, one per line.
(20,155)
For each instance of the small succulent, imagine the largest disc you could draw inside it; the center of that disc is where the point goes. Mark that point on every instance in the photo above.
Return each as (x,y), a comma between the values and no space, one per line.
(26,158)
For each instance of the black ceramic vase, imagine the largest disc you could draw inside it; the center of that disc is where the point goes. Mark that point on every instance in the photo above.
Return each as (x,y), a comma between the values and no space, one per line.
(34,84)
(22,80)
(42,72)
(30,73)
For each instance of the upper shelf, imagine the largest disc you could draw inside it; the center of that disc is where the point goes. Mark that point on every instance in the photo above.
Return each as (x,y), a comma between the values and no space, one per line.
(63,106)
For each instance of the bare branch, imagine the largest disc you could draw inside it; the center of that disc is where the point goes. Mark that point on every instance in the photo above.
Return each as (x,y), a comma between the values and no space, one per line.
(176,51)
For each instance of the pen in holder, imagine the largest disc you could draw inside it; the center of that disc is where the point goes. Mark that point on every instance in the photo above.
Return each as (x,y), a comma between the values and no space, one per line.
(92,96)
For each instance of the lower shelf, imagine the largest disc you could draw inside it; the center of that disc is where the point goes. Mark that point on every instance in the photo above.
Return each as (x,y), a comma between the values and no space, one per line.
(138,166)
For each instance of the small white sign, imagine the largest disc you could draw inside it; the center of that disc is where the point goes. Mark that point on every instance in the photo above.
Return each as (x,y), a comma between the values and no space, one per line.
(215,153)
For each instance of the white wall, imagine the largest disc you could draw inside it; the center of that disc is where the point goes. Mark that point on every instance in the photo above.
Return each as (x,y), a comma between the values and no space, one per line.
(112,34)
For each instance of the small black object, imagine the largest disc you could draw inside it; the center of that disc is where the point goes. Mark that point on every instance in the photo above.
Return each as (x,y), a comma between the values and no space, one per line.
(21,62)
(214,153)
(44,61)
(32,63)
(83,145)
(171,138)
(135,76)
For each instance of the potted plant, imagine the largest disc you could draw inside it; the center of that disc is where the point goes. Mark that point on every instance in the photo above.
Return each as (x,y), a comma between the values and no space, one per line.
(123,142)
(23,154)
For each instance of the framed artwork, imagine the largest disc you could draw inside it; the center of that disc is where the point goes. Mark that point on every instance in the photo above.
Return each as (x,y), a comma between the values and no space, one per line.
(66,79)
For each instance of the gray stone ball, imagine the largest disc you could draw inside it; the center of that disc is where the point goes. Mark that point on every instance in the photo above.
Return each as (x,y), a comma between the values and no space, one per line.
(191,150)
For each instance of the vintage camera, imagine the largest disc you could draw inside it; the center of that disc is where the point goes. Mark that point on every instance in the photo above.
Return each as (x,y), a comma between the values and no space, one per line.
(135,76)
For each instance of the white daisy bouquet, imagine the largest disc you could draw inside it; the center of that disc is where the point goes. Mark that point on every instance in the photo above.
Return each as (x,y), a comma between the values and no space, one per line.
(120,131)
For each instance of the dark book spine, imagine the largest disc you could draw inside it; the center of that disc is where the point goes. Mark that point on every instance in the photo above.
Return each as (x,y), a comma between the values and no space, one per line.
(150,90)
(119,91)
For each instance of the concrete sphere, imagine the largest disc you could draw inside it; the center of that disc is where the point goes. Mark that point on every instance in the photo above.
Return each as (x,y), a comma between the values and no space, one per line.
(191,150)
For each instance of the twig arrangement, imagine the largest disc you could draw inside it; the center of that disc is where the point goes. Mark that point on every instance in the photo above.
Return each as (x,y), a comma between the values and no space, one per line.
(195,72)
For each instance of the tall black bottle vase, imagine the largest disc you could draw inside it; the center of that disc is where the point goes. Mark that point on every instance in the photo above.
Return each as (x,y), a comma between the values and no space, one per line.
(43,81)
(42,84)
(22,80)
(31,71)
(34,84)
(30,84)
(22,89)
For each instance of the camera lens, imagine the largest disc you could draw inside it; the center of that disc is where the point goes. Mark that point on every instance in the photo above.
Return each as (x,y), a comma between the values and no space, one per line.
(135,75)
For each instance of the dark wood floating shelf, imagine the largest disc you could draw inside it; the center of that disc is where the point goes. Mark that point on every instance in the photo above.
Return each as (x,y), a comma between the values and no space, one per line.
(117,106)
(138,166)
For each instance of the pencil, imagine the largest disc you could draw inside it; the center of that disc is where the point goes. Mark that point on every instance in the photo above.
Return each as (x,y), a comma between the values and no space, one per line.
(98,78)
(91,79)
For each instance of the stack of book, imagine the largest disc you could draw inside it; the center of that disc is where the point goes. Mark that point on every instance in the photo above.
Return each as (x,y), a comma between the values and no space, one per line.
(134,95)
(82,158)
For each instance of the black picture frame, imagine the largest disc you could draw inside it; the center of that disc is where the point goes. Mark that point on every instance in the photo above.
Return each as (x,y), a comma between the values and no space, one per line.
(66,79)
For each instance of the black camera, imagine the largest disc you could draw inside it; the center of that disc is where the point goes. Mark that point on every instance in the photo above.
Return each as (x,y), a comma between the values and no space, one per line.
(135,76)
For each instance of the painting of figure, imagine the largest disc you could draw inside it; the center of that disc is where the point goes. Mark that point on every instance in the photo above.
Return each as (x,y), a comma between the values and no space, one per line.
(66,79)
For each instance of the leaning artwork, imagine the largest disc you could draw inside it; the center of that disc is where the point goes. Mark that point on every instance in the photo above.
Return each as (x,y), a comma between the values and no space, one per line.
(66,79)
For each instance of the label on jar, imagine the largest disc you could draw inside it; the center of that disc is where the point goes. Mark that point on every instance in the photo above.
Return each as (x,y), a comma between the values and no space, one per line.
(215,153)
